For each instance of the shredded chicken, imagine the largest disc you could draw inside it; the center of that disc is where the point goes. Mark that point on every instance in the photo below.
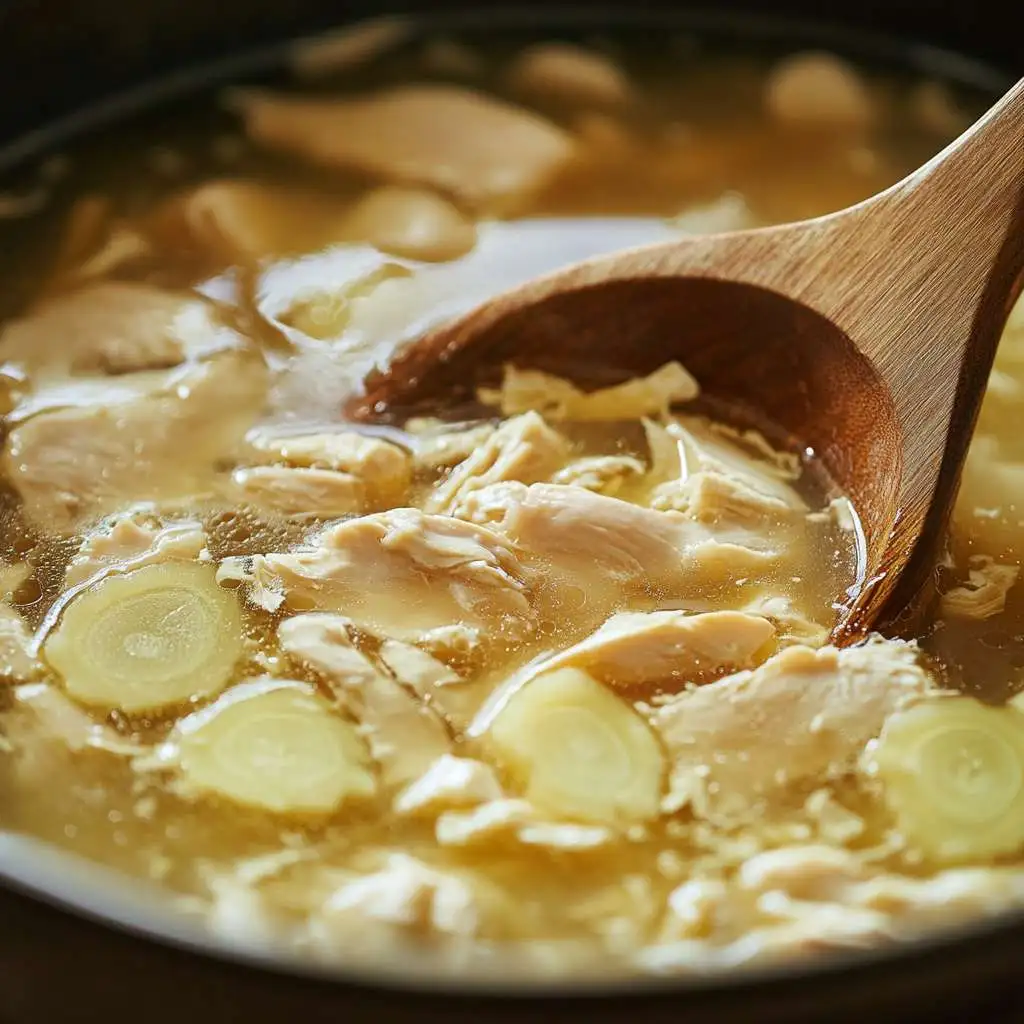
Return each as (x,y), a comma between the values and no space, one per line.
(461,142)
(318,493)
(17,662)
(449,782)
(438,686)
(667,647)
(134,539)
(80,462)
(411,894)
(802,715)
(447,571)
(583,534)
(605,474)
(405,737)
(558,399)
(499,820)
(984,593)
(383,469)
(114,327)
(524,448)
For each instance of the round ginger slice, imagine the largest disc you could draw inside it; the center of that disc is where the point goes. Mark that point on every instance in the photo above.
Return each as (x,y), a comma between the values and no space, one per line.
(953,776)
(579,750)
(275,745)
(149,639)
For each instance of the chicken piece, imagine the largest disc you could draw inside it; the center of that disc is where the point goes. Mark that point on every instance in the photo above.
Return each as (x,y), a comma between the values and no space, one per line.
(480,149)
(449,782)
(812,872)
(802,715)
(500,820)
(692,909)
(408,893)
(715,499)
(132,540)
(562,73)
(46,714)
(323,295)
(402,572)
(604,474)
(558,399)
(318,493)
(984,593)
(818,90)
(440,688)
(411,223)
(384,469)
(438,445)
(405,738)
(114,327)
(792,627)
(636,648)
(957,894)
(17,662)
(719,475)
(585,534)
(79,462)
(524,449)
(237,221)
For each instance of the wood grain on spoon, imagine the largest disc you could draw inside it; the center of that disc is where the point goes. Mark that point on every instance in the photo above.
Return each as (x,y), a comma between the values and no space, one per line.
(867,334)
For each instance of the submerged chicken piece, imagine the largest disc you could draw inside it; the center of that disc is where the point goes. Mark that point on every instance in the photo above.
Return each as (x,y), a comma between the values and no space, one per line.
(383,469)
(498,821)
(792,627)
(524,448)
(133,539)
(17,662)
(402,572)
(411,223)
(318,493)
(449,782)
(560,72)
(405,738)
(984,592)
(605,474)
(802,715)
(407,893)
(586,534)
(115,327)
(79,462)
(478,148)
(635,648)
(558,399)
(718,475)
(438,686)
(439,445)
(238,221)
(50,713)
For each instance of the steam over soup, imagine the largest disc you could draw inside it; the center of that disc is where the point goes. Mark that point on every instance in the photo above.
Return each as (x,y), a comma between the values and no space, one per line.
(538,683)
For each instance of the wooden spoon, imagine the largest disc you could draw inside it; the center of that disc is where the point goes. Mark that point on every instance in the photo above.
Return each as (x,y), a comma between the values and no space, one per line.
(867,334)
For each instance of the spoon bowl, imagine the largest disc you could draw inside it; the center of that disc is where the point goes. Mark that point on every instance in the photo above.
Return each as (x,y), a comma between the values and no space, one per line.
(865,336)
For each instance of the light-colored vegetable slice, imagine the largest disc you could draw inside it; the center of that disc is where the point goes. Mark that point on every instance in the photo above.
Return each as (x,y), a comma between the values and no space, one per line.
(953,772)
(149,639)
(277,745)
(580,751)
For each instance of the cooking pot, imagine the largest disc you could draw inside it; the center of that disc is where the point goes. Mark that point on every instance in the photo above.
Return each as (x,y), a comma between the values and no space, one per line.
(77,944)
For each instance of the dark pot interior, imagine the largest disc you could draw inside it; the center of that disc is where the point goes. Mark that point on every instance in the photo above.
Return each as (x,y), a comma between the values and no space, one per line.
(60,56)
